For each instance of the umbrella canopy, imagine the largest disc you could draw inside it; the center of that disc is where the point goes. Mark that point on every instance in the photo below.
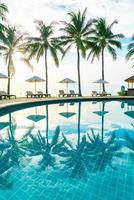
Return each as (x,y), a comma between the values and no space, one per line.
(35,79)
(129,114)
(100,81)
(67,114)
(3,76)
(3,125)
(36,117)
(67,81)
(100,113)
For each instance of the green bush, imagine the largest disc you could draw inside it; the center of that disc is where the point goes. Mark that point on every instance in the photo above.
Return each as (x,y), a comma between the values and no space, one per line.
(122,93)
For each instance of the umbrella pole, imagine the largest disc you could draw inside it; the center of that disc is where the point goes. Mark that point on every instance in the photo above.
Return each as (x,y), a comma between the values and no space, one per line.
(35,87)
(67,88)
(100,88)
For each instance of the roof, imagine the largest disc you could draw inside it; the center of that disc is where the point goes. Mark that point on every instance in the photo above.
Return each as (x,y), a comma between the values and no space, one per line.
(130,79)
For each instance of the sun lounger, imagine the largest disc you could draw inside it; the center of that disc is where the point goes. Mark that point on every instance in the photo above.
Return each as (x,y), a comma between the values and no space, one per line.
(105,94)
(73,94)
(31,94)
(95,94)
(41,94)
(63,94)
(4,95)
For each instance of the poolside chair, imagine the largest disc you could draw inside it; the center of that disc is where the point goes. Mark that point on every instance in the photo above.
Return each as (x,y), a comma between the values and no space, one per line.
(94,94)
(41,94)
(73,94)
(63,94)
(4,95)
(105,94)
(31,94)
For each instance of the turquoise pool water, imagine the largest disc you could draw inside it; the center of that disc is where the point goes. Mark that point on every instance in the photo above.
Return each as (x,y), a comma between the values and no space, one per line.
(68,151)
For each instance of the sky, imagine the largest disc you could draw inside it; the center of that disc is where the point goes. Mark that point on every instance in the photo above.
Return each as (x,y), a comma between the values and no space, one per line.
(25,12)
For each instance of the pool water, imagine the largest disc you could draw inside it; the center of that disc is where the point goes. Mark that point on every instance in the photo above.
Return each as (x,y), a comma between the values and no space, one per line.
(68,151)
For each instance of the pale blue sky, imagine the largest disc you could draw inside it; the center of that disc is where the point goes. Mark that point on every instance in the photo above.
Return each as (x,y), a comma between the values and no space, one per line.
(24,12)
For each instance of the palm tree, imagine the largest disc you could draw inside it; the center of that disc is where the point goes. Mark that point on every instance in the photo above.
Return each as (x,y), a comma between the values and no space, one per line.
(39,46)
(11,43)
(3,10)
(103,39)
(75,35)
(130,52)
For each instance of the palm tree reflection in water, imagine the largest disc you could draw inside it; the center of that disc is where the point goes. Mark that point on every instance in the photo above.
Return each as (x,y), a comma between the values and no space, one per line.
(11,151)
(91,153)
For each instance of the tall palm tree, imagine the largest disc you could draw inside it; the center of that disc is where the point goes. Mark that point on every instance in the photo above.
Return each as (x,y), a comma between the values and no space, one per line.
(130,53)
(103,39)
(76,32)
(11,43)
(36,47)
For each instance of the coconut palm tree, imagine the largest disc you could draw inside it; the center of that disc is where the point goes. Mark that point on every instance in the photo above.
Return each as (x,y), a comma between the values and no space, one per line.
(103,39)
(76,32)
(130,52)
(37,47)
(11,43)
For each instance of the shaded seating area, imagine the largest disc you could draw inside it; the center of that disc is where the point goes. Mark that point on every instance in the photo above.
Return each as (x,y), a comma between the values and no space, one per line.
(130,90)
(4,95)
(40,94)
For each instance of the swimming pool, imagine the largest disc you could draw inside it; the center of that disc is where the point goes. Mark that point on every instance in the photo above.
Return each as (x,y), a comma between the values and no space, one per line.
(68,151)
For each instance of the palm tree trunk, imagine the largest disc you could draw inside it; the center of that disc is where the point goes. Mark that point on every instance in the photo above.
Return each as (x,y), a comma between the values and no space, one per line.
(79,122)
(102,121)
(78,68)
(103,77)
(46,68)
(47,123)
(8,83)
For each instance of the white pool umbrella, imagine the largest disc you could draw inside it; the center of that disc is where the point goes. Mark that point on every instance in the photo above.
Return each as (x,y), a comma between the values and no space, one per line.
(35,79)
(100,81)
(67,81)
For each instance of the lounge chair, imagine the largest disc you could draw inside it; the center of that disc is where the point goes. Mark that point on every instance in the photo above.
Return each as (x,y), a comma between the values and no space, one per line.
(41,94)
(63,94)
(105,94)
(95,94)
(31,94)
(4,95)
(73,94)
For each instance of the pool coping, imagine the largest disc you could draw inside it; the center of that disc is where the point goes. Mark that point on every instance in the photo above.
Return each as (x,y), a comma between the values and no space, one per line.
(13,106)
